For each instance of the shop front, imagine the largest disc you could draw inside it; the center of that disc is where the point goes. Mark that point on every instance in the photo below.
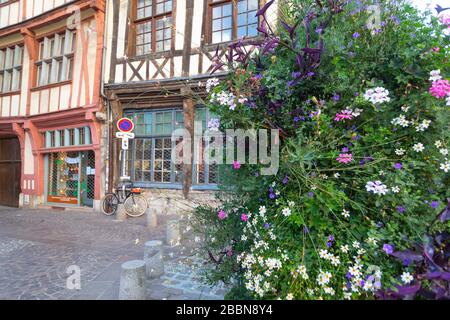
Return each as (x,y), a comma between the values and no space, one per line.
(69,174)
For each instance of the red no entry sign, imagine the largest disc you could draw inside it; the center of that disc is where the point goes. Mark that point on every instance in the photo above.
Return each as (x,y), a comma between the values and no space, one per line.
(125,125)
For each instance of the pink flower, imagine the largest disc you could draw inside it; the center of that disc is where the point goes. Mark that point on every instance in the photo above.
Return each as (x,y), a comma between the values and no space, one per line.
(244,217)
(236,165)
(222,215)
(345,158)
(445,19)
(229,252)
(440,89)
(345,114)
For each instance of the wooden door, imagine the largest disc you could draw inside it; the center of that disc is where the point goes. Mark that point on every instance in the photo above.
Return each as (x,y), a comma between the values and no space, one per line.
(10,172)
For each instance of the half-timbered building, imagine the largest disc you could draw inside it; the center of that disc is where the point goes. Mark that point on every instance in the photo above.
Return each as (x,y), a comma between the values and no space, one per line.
(160,54)
(51,54)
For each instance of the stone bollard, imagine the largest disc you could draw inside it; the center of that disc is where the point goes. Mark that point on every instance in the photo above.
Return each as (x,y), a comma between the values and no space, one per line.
(173,233)
(153,257)
(152,218)
(132,281)
(121,214)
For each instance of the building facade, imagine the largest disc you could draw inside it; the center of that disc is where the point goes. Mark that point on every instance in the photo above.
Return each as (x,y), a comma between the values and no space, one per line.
(51,63)
(159,55)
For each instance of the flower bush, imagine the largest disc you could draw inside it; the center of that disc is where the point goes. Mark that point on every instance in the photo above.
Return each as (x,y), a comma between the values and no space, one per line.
(363,117)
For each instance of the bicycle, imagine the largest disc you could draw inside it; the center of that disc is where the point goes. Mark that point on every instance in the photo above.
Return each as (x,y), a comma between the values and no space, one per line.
(134,202)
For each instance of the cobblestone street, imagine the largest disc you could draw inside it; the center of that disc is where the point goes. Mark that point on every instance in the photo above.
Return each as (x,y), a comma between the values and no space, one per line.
(37,247)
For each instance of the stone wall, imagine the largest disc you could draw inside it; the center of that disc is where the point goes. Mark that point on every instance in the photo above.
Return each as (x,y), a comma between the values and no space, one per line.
(173,202)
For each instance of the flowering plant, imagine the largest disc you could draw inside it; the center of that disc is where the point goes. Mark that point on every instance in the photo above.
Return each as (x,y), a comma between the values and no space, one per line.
(363,160)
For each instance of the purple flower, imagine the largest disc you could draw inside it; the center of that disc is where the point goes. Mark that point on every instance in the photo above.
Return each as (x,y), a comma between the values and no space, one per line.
(336,97)
(285,180)
(310,194)
(266,226)
(401,209)
(349,275)
(345,149)
(305,229)
(398,166)
(319,30)
(296,74)
(389,249)
(351,54)
(296,119)
(434,204)
(310,74)
(356,35)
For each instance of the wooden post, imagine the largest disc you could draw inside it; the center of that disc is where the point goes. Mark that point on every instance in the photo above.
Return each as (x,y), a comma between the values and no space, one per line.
(189,117)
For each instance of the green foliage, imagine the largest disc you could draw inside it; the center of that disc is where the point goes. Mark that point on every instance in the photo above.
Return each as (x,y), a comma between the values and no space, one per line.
(320,190)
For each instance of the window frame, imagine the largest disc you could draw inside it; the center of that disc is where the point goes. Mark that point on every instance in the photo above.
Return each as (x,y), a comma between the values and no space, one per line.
(135,21)
(13,70)
(234,20)
(55,68)
(131,157)
(195,184)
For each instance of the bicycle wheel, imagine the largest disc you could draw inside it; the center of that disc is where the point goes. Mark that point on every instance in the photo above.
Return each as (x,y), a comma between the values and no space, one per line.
(110,203)
(135,205)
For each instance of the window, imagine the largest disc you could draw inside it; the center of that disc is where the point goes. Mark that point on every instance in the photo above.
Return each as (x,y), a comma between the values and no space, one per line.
(231,19)
(55,58)
(151,151)
(204,174)
(153,26)
(67,137)
(10,68)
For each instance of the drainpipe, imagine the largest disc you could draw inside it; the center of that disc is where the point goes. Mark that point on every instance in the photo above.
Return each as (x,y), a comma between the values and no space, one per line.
(102,93)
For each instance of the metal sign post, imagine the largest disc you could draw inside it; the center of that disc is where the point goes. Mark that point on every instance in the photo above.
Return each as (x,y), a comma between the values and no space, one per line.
(125,127)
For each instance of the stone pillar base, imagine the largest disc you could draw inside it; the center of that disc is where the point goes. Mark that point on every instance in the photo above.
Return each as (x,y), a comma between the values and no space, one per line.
(152,218)
(121,214)
(132,281)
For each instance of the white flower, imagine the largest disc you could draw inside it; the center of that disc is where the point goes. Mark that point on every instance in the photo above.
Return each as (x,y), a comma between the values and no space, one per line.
(372,241)
(262,210)
(377,95)
(345,213)
(324,254)
(418,147)
(445,166)
(395,189)
(400,152)
(356,244)
(368,286)
(435,75)
(405,108)
(210,83)
(214,124)
(407,278)
(244,237)
(347,295)
(290,296)
(401,121)
(286,212)
(447,100)
(345,248)
(337,175)
(444,152)
(354,271)
(335,261)
(291,203)
(329,290)
(361,251)
(438,144)
(423,126)
(376,187)
(242,100)
(323,278)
